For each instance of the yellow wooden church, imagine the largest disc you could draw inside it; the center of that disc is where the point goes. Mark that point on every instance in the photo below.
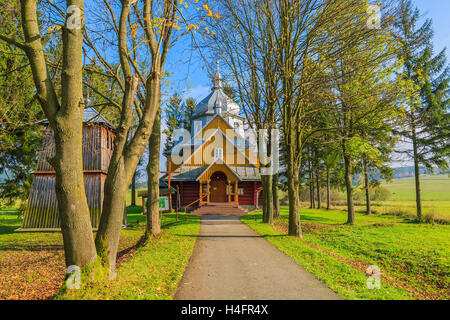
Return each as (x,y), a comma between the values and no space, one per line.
(222,165)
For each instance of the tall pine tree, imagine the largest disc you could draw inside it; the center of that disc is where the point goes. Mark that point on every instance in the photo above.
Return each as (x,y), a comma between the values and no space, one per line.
(427,117)
(173,119)
(177,114)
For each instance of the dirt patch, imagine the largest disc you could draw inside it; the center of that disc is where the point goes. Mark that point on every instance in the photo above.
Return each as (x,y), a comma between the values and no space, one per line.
(281,225)
(37,272)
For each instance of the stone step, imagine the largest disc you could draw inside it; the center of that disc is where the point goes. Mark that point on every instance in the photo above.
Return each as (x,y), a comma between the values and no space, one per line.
(219,208)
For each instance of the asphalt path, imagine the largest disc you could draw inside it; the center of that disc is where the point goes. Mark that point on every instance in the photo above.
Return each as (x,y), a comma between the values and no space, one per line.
(232,262)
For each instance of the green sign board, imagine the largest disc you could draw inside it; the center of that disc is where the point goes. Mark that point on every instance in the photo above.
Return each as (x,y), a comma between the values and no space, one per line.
(164,203)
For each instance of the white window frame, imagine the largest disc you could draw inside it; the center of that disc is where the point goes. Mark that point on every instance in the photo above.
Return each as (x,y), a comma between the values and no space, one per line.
(218,154)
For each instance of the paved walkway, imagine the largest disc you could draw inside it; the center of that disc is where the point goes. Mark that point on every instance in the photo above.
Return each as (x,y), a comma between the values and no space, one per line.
(230,261)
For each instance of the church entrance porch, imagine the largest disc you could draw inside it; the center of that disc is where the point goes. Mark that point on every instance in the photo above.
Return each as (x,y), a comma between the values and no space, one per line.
(218,187)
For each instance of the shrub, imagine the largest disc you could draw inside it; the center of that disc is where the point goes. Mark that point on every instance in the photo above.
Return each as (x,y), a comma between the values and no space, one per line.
(378,193)
(335,195)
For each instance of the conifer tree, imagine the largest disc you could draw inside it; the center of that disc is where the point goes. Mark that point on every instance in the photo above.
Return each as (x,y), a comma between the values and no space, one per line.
(173,119)
(427,117)
(177,114)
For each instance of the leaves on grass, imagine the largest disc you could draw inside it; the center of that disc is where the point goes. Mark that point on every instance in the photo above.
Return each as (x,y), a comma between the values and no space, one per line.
(35,271)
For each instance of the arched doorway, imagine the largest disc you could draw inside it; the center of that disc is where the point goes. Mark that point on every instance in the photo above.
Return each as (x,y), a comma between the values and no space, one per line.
(218,187)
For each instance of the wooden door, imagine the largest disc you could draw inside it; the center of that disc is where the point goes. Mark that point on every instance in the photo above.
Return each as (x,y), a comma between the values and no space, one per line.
(218,187)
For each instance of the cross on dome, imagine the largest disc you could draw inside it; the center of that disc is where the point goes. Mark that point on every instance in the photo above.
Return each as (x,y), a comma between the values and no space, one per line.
(217,79)
(217,102)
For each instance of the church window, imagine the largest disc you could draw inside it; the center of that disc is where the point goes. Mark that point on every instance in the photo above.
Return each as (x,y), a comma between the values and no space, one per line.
(218,153)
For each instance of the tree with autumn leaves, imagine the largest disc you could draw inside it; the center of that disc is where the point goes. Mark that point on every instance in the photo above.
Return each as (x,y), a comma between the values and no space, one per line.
(151,27)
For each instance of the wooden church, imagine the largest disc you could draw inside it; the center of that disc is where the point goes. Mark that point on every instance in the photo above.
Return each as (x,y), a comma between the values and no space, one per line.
(222,167)
(42,212)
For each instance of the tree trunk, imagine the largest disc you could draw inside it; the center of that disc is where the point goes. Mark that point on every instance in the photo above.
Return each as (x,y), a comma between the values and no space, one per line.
(69,185)
(311,185)
(294,204)
(127,153)
(328,189)
(295,228)
(349,187)
(416,173)
(319,200)
(133,190)
(108,234)
(268,199)
(79,247)
(263,195)
(276,196)
(313,191)
(153,217)
(366,187)
(66,120)
(123,165)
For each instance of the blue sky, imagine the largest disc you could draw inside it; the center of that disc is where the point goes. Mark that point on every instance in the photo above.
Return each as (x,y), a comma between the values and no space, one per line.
(439,12)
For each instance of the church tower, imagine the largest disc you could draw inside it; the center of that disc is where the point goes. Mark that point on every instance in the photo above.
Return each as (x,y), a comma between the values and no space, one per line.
(217,102)
(222,167)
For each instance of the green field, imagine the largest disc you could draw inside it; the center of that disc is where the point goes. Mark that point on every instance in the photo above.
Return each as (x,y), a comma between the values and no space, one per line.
(413,256)
(434,188)
(435,199)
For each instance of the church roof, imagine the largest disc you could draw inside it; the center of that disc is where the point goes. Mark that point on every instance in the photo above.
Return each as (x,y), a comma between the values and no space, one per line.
(237,143)
(217,101)
(186,174)
(196,142)
(247,173)
(190,173)
(90,115)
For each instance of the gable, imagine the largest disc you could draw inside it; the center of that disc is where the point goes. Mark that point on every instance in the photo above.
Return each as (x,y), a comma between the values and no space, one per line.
(215,167)
(218,122)
(232,156)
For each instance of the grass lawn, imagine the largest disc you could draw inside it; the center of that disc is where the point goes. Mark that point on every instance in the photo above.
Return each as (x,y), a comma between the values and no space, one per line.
(414,257)
(32,264)
(155,269)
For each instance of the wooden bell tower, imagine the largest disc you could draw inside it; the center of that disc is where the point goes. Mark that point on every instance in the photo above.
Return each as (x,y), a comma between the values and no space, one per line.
(42,210)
